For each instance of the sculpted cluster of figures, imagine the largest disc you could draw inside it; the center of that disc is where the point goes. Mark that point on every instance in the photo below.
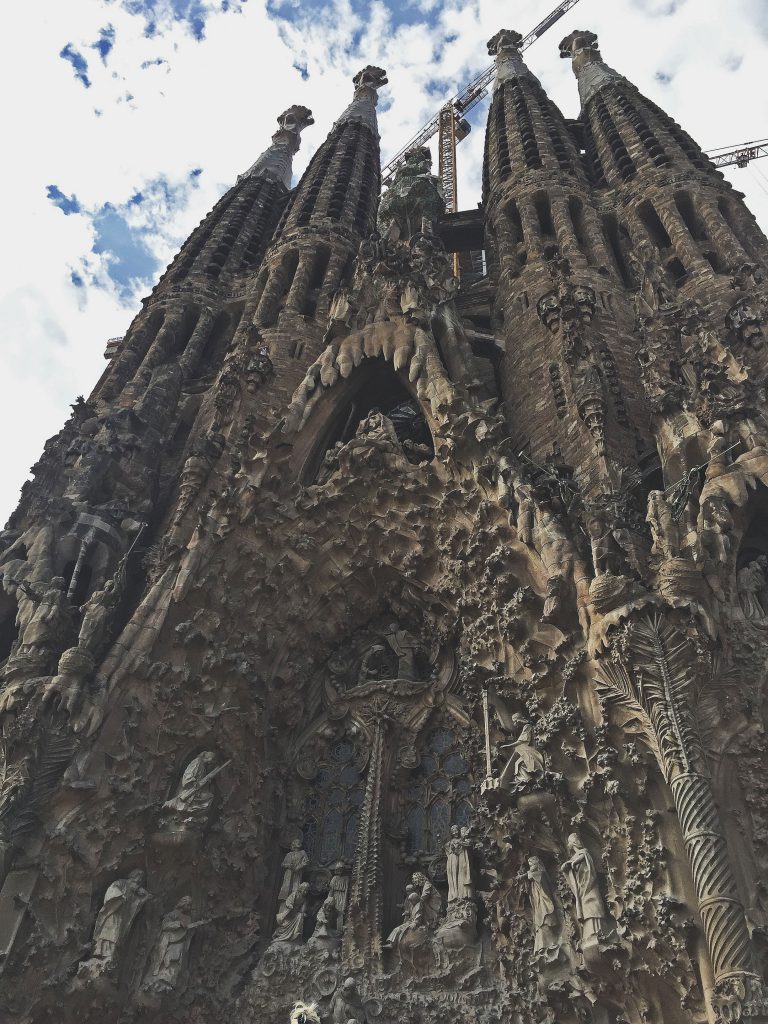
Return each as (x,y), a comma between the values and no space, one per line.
(183,815)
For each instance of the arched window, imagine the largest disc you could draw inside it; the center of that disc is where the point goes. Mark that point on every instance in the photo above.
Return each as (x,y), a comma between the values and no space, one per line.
(438,794)
(332,807)
(380,390)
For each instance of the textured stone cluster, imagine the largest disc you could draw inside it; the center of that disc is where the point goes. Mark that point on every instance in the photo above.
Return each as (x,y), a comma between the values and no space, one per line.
(378,645)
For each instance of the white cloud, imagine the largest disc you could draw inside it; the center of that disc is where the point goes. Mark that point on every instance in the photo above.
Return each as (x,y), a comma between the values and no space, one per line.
(212,104)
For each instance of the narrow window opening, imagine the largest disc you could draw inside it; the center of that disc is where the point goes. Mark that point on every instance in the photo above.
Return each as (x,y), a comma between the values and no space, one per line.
(544,213)
(652,223)
(613,239)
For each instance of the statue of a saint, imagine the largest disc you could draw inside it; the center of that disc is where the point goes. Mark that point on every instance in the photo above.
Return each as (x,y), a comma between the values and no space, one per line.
(664,530)
(122,902)
(50,622)
(290,916)
(405,648)
(97,615)
(189,809)
(413,917)
(525,763)
(340,892)
(170,954)
(752,582)
(458,865)
(326,921)
(547,919)
(293,866)
(581,874)
(347,1004)
(430,899)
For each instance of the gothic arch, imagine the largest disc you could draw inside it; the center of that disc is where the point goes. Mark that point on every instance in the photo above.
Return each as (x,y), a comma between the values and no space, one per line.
(372,385)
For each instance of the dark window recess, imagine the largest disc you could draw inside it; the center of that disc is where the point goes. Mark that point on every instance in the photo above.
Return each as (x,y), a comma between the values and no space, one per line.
(734,217)
(544,213)
(652,224)
(613,237)
(715,262)
(558,391)
(316,279)
(677,271)
(691,219)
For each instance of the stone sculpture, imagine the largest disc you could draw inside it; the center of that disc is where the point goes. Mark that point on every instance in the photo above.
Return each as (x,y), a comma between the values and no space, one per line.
(753,588)
(458,865)
(189,809)
(581,874)
(347,1004)
(169,958)
(525,764)
(122,903)
(290,916)
(294,863)
(547,918)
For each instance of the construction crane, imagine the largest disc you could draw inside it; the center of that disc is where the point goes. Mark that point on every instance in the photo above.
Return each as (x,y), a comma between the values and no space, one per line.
(450,123)
(738,156)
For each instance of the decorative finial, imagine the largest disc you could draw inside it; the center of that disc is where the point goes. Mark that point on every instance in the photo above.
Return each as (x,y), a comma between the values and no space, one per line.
(296,119)
(582,44)
(370,78)
(506,40)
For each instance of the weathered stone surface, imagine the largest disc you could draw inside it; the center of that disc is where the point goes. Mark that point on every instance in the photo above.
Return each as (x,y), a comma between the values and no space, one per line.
(382,647)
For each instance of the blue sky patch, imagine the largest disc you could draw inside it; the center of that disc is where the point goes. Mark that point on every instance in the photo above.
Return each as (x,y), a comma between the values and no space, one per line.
(67,204)
(78,62)
(192,13)
(105,42)
(127,253)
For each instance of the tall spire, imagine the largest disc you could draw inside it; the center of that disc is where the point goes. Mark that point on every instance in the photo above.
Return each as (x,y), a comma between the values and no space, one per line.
(505,47)
(277,160)
(363,106)
(591,71)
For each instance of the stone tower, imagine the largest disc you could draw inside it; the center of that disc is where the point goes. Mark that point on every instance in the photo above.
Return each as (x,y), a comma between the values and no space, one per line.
(379,646)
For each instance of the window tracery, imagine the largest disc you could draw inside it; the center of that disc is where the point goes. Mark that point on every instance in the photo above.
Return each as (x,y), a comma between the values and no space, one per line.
(332,806)
(438,794)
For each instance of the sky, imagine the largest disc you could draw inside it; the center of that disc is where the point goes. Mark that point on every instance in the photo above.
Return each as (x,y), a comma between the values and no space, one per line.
(125,120)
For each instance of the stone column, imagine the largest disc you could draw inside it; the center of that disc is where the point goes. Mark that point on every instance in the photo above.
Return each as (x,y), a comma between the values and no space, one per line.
(300,285)
(164,339)
(197,342)
(565,233)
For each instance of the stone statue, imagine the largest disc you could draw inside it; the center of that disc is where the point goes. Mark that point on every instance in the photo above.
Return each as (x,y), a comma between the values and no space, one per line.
(525,763)
(654,291)
(121,905)
(608,556)
(290,916)
(413,917)
(405,648)
(664,530)
(50,622)
(326,921)
(414,194)
(189,809)
(340,892)
(97,615)
(376,664)
(169,957)
(347,1004)
(547,919)
(752,582)
(430,899)
(293,866)
(458,865)
(581,874)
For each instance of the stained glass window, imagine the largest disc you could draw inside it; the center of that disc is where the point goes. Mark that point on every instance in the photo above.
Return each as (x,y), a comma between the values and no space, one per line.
(332,807)
(439,792)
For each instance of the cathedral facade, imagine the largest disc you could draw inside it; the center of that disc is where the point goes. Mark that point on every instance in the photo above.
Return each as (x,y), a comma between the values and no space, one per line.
(385,644)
